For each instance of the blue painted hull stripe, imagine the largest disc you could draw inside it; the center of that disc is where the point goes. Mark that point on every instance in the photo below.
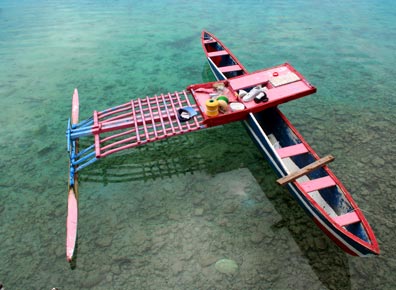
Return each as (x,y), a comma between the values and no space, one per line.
(219,75)
(280,169)
(293,189)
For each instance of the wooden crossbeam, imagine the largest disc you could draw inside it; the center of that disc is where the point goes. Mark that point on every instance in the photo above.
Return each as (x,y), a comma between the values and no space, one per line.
(305,170)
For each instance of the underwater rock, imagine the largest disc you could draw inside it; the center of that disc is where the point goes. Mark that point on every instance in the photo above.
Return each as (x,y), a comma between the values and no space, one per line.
(320,243)
(207,260)
(109,278)
(173,216)
(47,149)
(198,211)
(177,267)
(256,237)
(115,269)
(104,242)
(60,252)
(40,131)
(198,200)
(140,238)
(187,256)
(230,207)
(223,222)
(92,279)
(378,161)
(226,266)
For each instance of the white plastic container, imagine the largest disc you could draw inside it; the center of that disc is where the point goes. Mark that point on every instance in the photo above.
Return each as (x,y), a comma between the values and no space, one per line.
(237,107)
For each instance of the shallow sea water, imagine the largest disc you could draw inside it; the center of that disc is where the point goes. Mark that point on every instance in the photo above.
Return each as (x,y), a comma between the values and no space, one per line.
(160,216)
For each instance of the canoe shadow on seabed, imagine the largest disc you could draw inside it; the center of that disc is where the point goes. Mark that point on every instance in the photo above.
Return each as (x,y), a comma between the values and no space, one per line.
(165,159)
(153,161)
(326,259)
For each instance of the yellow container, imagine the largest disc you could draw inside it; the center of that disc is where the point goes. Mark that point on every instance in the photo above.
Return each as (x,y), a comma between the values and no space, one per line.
(223,106)
(212,107)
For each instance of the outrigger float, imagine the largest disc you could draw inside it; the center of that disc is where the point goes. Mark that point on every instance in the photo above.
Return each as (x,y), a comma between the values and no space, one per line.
(237,96)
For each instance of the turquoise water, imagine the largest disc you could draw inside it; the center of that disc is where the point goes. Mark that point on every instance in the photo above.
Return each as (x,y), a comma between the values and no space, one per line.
(160,216)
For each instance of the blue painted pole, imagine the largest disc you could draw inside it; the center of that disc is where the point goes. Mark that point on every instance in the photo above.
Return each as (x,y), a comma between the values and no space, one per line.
(82,166)
(68,136)
(85,151)
(81,160)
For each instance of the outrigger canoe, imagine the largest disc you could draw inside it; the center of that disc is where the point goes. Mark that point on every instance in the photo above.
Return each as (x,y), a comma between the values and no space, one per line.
(319,192)
(236,96)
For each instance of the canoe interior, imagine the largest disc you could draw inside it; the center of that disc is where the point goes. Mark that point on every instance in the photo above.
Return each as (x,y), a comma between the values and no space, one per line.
(221,60)
(332,199)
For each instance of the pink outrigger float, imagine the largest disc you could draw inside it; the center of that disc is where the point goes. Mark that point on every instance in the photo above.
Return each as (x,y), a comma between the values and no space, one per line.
(236,96)
(72,207)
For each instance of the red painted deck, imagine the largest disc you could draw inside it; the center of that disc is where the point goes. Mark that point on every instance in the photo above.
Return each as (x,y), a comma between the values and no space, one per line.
(283,84)
(150,119)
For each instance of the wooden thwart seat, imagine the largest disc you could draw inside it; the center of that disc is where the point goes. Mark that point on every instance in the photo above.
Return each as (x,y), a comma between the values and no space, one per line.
(230,68)
(211,40)
(217,53)
(292,150)
(347,219)
(305,170)
(317,184)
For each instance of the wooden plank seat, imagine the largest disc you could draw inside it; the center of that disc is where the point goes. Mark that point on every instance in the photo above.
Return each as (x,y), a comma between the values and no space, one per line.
(209,41)
(317,184)
(217,53)
(292,150)
(230,68)
(347,219)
